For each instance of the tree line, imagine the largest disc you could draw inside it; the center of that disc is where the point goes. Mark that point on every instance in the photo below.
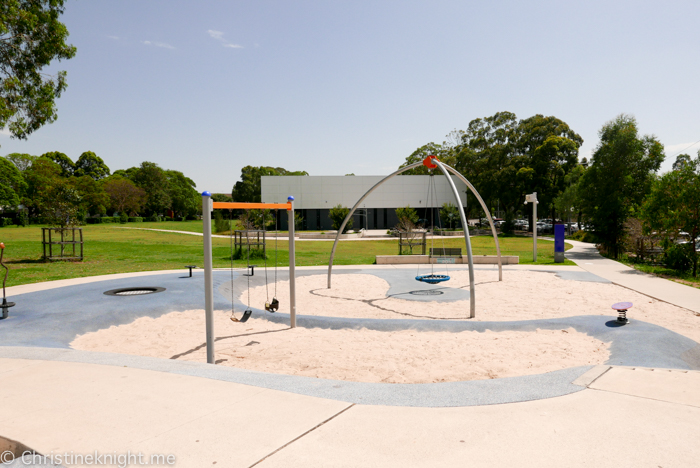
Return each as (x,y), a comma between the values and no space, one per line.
(63,192)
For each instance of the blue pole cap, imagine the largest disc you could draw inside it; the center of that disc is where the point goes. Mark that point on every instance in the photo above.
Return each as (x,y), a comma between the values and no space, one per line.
(206,193)
(290,198)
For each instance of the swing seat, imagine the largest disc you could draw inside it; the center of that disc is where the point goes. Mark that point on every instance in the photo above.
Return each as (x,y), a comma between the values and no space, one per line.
(432,279)
(272,306)
(246,316)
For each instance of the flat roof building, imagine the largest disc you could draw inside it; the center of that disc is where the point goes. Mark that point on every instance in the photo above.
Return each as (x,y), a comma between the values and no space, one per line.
(314,196)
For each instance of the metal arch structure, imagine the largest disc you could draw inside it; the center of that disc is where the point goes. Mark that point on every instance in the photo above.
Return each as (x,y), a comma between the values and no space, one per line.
(444,168)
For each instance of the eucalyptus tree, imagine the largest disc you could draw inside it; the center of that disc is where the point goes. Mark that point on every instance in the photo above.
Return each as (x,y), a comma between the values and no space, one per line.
(619,176)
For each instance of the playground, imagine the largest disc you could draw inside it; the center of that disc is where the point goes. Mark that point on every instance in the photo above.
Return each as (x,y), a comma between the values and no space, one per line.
(394,338)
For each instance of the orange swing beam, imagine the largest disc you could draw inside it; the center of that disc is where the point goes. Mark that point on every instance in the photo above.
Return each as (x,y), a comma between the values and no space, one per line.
(252,206)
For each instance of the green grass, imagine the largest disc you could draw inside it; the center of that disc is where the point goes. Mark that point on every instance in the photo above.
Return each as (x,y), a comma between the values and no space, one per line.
(110,249)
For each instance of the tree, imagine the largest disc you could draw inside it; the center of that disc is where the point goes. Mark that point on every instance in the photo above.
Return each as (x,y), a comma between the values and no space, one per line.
(12,184)
(31,37)
(618,178)
(93,197)
(337,215)
(570,200)
(125,197)
(21,160)
(445,155)
(551,149)
(59,204)
(674,205)
(40,177)
(248,189)
(186,200)
(64,162)
(449,213)
(153,180)
(489,158)
(89,164)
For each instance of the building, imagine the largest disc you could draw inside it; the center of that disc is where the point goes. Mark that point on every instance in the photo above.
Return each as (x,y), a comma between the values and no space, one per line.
(316,195)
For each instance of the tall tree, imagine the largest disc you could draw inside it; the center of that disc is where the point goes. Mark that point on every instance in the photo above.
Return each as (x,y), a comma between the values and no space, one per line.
(40,177)
(89,164)
(618,178)
(185,198)
(125,197)
(488,158)
(64,162)
(674,204)
(21,160)
(12,184)
(153,180)
(551,149)
(248,189)
(93,198)
(31,37)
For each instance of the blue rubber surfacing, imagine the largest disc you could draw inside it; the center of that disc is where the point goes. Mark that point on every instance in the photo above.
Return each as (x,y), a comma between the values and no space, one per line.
(43,324)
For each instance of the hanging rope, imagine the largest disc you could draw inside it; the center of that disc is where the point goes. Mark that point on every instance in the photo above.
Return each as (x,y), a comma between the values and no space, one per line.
(230,236)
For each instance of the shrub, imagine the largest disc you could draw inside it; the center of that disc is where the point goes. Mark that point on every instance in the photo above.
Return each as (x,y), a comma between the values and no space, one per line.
(191,217)
(678,257)
(123,218)
(584,236)
(22,219)
(242,254)
(135,219)
(337,215)
(155,218)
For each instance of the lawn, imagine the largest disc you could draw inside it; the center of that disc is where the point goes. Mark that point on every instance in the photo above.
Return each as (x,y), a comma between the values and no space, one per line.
(109,248)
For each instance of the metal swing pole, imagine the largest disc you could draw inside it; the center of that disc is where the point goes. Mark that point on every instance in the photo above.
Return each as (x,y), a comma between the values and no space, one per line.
(207,208)
(292,279)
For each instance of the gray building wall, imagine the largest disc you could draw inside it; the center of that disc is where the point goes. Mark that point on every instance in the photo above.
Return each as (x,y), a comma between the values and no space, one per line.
(316,195)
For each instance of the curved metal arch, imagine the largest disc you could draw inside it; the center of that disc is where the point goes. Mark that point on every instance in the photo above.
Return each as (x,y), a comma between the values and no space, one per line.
(488,215)
(459,204)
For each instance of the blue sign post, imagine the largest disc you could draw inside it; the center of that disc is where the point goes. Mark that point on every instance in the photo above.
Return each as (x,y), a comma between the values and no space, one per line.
(559,243)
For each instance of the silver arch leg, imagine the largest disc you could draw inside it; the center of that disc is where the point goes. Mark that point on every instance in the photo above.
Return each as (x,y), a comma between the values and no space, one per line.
(347,218)
(488,216)
(472,293)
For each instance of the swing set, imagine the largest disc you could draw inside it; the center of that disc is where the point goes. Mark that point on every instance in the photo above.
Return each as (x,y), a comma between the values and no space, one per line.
(432,162)
(271,306)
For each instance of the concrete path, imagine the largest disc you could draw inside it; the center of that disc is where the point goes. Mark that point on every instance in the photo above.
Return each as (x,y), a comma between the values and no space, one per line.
(587,257)
(623,417)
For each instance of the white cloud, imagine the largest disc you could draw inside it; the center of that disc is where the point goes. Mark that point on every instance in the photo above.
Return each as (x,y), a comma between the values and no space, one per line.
(219,36)
(164,45)
(688,148)
(5,132)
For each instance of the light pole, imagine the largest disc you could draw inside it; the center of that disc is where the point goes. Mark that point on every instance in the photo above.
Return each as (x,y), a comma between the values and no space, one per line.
(532,198)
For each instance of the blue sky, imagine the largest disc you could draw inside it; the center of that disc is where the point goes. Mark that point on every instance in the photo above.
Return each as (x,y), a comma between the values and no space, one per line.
(334,87)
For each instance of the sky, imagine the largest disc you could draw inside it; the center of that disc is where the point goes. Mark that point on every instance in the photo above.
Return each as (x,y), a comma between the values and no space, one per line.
(338,87)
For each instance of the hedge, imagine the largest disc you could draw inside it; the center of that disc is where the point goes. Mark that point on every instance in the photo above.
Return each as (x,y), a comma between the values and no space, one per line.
(135,219)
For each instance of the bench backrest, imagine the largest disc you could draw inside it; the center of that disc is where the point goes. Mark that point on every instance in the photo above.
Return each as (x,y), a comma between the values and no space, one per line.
(446,252)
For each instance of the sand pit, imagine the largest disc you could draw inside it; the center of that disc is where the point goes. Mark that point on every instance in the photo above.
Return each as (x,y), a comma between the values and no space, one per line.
(355,355)
(400,356)
(522,295)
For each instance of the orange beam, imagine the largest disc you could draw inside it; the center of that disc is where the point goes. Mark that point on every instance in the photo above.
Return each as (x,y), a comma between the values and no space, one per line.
(252,206)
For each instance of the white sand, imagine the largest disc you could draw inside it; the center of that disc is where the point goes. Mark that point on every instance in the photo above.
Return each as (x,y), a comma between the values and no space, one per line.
(357,355)
(522,295)
(405,356)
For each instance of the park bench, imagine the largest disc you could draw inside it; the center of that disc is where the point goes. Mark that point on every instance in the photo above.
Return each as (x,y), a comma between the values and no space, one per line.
(446,252)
